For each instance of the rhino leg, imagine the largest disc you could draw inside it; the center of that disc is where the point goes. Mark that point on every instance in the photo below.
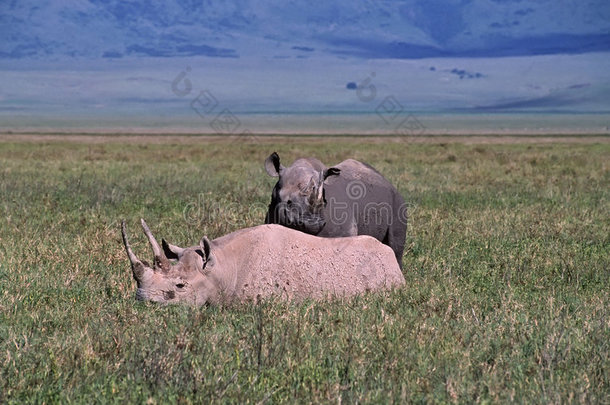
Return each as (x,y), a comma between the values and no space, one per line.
(352,228)
(395,238)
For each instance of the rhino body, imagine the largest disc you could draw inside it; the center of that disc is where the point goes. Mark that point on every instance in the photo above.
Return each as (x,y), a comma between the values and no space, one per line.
(263,261)
(348,199)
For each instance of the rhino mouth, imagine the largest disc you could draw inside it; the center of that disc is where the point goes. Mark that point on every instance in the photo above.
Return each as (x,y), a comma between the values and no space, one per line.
(308,224)
(300,220)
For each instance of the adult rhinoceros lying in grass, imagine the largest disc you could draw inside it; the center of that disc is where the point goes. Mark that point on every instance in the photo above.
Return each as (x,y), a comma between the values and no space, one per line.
(263,261)
(348,199)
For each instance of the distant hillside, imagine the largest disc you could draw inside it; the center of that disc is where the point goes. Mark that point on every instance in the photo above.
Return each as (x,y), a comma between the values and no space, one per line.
(302,29)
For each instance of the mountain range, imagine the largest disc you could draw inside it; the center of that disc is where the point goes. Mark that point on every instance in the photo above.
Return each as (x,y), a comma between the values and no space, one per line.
(302,29)
(111,59)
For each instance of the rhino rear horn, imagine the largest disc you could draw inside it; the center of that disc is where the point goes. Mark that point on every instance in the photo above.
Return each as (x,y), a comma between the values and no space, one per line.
(312,186)
(161,262)
(273,166)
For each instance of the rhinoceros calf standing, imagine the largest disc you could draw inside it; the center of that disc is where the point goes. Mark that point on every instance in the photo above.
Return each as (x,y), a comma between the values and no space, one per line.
(348,199)
(263,261)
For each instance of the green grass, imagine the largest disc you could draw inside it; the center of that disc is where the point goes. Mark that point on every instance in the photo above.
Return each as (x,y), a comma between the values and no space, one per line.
(507,267)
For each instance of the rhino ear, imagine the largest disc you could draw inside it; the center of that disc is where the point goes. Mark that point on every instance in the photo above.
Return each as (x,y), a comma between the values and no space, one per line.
(204,251)
(171,251)
(333,171)
(273,166)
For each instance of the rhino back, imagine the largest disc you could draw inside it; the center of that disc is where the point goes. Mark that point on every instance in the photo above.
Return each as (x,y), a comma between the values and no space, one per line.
(355,170)
(294,265)
(360,201)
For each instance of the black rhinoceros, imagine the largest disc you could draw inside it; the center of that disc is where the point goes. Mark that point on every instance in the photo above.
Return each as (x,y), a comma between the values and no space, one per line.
(348,199)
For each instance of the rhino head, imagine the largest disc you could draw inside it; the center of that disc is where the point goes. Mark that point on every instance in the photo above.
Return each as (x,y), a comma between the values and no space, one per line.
(177,274)
(298,198)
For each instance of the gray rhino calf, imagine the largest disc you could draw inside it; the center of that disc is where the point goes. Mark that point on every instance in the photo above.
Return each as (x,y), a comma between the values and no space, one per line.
(348,199)
(262,261)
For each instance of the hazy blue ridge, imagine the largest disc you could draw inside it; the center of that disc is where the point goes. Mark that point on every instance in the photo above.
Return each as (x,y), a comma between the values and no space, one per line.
(185,62)
(367,29)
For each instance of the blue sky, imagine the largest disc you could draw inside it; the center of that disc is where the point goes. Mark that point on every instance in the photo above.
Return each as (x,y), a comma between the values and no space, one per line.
(120,58)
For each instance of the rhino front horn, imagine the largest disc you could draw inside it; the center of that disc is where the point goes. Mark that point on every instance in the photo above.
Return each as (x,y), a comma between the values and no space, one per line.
(320,194)
(137,267)
(316,191)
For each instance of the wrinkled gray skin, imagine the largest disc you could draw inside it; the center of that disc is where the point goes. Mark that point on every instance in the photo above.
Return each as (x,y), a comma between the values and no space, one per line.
(348,199)
(259,262)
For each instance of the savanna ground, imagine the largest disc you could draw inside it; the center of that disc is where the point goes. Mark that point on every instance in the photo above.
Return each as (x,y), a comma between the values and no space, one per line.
(507,264)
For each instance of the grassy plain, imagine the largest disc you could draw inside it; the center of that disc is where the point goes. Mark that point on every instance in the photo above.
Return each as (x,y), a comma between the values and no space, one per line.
(507,267)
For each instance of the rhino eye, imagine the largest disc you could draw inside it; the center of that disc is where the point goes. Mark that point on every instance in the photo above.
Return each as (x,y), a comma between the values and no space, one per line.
(180,286)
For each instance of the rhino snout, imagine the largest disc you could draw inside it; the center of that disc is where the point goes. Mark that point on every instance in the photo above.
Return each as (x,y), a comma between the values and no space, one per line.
(293,215)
